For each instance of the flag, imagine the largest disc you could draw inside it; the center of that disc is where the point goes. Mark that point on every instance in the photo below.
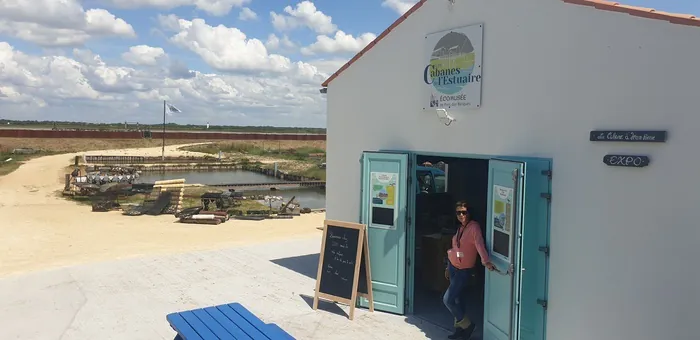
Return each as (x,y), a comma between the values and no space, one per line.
(170,109)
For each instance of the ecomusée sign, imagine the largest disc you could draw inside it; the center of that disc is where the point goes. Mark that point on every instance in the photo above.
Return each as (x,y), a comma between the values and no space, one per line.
(452,71)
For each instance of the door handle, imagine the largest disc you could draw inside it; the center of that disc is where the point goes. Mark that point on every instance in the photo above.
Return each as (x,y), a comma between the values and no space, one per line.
(508,271)
(499,272)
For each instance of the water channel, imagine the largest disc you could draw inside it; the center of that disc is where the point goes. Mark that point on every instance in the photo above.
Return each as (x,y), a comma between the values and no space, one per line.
(313,198)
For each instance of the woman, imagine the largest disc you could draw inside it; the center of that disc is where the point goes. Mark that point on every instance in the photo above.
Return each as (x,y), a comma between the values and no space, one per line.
(466,244)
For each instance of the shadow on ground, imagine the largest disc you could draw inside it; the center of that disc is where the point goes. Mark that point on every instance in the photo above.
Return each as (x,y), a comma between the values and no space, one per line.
(330,307)
(430,330)
(307,265)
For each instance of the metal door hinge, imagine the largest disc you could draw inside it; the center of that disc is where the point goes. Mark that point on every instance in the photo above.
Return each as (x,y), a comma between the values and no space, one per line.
(547,173)
(408,261)
(546,195)
(544,249)
(406,303)
(542,303)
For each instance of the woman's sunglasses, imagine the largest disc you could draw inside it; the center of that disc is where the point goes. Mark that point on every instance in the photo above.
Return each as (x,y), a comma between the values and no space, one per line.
(462,212)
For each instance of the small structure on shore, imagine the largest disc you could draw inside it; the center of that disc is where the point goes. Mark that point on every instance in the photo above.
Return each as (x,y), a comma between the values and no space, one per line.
(221,200)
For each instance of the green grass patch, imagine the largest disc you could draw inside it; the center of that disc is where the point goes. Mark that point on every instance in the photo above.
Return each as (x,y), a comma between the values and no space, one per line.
(299,154)
(315,173)
(248,205)
(312,171)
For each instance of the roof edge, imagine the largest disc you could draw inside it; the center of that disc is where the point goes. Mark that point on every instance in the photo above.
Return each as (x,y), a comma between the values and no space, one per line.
(649,13)
(605,5)
(374,42)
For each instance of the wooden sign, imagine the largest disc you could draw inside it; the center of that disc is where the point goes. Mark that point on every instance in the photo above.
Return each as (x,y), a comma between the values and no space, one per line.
(629,161)
(629,136)
(343,267)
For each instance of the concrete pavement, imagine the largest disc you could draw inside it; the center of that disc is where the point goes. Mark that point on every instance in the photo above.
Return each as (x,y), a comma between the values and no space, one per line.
(129,299)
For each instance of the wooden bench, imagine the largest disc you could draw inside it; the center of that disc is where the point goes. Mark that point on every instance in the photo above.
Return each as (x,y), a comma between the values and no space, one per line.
(230,321)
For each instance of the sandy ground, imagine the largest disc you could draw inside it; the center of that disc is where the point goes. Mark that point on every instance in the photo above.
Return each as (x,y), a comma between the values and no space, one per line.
(41,230)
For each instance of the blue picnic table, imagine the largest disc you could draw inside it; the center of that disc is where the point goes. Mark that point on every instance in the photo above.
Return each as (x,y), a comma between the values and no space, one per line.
(229,321)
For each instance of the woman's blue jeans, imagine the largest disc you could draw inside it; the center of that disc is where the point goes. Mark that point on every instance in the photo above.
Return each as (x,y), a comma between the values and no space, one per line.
(455,296)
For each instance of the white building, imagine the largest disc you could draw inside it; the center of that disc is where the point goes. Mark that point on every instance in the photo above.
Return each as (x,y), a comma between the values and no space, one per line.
(609,251)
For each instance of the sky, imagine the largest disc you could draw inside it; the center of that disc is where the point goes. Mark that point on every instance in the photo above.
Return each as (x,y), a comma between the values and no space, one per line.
(226,62)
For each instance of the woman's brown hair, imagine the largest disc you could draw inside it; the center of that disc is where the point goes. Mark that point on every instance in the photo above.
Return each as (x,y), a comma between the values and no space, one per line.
(461,204)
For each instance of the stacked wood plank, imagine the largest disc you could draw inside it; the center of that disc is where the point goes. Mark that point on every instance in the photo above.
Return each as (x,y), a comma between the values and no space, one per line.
(201,219)
(174,186)
(206,217)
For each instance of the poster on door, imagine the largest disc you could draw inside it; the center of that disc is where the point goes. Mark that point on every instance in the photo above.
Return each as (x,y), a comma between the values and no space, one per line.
(384,189)
(503,208)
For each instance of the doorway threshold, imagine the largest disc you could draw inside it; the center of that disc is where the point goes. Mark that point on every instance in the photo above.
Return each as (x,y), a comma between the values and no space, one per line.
(431,322)
(429,309)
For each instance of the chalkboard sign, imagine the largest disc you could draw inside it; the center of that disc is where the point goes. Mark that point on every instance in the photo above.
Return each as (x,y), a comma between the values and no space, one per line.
(343,268)
(629,161)
(338,266)
(628,136)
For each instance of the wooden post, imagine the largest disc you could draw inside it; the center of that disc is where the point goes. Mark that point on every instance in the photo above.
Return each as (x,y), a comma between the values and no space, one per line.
(163,150)
(67,182)
(368,269)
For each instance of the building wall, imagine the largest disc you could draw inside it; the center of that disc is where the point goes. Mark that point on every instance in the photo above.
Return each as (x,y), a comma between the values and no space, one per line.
(624,242)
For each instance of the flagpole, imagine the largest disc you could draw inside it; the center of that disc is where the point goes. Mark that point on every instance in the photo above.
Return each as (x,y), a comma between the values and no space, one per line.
(163,152)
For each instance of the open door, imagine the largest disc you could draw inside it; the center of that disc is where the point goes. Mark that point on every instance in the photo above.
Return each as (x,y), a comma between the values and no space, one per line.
(534,262)
(517,237)
(503,231)
(385,181)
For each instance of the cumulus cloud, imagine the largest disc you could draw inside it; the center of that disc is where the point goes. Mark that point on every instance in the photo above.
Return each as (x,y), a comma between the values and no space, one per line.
(274,42)
(86,88)
(228,49)
(169,22)
(340,43)
(178,70)
(399,6)
(247,14)
(304,14)
(328,66)
(144,55)
(58,23)
(213,7)
(10,95)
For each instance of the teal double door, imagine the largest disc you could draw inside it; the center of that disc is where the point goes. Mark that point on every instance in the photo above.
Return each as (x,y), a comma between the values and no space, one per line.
(517,230)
